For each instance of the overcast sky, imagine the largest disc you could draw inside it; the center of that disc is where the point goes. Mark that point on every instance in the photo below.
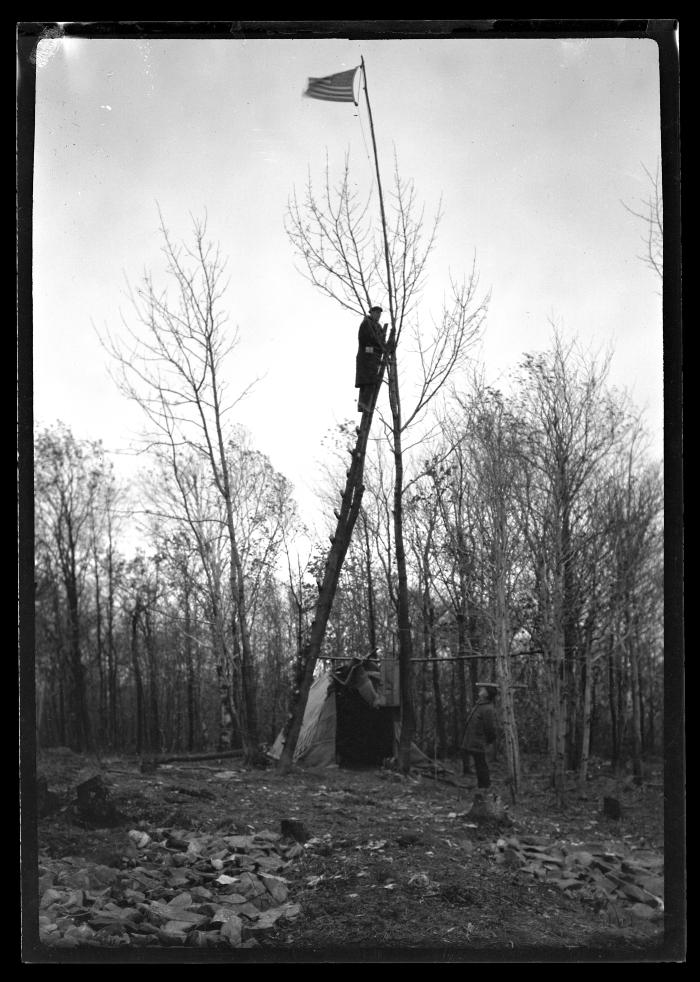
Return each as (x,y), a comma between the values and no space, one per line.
(532,145)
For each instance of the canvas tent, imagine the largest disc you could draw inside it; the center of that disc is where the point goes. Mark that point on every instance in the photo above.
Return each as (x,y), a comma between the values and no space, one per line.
(347,723)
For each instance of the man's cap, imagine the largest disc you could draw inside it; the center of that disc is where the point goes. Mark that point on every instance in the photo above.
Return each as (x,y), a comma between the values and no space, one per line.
(380,309)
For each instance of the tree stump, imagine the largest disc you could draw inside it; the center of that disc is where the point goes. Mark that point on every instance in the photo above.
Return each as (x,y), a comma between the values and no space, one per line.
(93,802)
(488,809)
(291,828)
(612,809)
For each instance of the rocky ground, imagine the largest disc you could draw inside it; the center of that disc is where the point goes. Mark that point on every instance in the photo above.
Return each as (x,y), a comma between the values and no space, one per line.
(218,862)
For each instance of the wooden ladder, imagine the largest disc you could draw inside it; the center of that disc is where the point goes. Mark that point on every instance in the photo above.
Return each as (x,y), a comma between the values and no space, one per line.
(351,502)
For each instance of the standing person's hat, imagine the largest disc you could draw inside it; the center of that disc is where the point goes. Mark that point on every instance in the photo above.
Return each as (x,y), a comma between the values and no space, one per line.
(380,309)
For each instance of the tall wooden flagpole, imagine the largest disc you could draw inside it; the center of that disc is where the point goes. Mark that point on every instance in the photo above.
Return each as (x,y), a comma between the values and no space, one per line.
(381,197)
(403,615)
(350,507)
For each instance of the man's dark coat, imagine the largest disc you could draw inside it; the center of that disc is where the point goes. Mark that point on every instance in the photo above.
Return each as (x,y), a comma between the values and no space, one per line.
(369,353)
(481,727)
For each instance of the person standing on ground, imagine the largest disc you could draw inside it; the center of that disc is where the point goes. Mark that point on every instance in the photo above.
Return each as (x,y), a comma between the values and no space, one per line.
(370,345)
(479,732)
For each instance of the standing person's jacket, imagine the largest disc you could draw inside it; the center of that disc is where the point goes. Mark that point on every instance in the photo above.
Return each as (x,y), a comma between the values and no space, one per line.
(369,353)
(481,727)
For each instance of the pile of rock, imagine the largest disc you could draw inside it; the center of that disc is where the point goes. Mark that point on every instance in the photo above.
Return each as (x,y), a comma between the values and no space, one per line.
(175,888)
(591,872)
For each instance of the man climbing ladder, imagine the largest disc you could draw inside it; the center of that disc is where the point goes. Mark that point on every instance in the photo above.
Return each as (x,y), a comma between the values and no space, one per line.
(351,500)
(371,344)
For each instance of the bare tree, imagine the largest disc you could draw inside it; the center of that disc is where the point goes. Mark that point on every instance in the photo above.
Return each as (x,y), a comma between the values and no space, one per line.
(349,259)
(650,211)
(493,438)
(69,476)
(172,364)
(574,426)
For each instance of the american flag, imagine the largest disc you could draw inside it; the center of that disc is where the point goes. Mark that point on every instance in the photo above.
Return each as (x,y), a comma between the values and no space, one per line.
(333,88)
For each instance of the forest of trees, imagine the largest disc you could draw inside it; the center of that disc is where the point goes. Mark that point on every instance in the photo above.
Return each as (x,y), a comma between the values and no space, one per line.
(512,536)
(533,525)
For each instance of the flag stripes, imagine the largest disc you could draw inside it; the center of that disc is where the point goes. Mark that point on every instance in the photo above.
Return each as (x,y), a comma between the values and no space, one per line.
(333,88)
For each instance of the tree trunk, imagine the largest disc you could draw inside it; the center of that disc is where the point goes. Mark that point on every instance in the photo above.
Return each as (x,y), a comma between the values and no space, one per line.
(226,712)
(615,748)
(408,718)
(138,682)
(457,715)
(423,703)
(586,717)
(370,595)
(437,697)
(82,730)
(637,767)
(503,670)
(153,729)
(113,724)
(190,676)
(99,655)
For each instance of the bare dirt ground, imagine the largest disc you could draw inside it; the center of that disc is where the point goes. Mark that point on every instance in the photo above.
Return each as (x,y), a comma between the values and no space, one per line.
(392,867)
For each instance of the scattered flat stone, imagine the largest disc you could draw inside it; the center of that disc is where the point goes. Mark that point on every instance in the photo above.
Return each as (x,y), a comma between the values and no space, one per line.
(173,842)
(276,887)
(78,879)
(177,927)
(50,897)
(645,913)
(654,884)
(232,931)
(80,932)
(637,893)
(181,900)
(202,893)
(101,876)
(240,842)
(269,863)
(265,922)
(249,885)
(231,898)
